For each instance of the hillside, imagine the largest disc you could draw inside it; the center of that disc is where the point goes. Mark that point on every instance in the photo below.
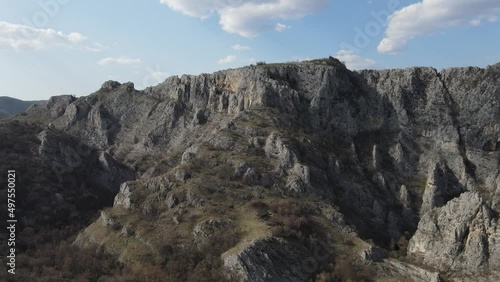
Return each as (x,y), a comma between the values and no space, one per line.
(284,172)
(11,106)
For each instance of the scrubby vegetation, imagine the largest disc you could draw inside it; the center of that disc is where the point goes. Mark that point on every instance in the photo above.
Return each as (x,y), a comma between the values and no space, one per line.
(330,61)
(48,213)
(47,250)
(61,261)
(346,270)
(289,218)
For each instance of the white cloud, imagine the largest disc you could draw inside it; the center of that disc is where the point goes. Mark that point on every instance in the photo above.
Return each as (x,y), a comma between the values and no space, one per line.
(196,8)
(160,76)
(475,22)
(77,38)
(281,27)
(239,47)
(119,61)
(20,37)
(154,76)
(227,60)
(96,47)
(247,18)
(428,16)
(354,61)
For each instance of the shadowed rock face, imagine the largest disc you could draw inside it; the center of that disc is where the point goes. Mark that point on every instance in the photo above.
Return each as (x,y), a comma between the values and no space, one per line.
(409,150)
(61,182)
(269,260)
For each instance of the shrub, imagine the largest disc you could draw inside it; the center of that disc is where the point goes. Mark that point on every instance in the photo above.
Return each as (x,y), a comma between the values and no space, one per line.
(261,208)
(345,270)
(260,63)
(293,219)
(198,262)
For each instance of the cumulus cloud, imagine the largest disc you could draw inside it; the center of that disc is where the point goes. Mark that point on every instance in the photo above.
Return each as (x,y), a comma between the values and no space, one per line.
(21,37)
(119,61)
(196,8)
(227,60)
(247,18)
(239,47)
(354,61)
(428,16)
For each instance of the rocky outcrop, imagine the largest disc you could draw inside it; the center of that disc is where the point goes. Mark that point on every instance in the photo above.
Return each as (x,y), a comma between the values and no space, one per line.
(463,234)
(408,151)
(122,199)
(442,186)
(62,183)
(57,105)
(64,155)
(209,227)
(409,272)
(268,259)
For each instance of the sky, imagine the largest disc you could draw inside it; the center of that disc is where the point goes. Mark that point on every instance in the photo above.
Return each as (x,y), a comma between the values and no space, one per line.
(55,47)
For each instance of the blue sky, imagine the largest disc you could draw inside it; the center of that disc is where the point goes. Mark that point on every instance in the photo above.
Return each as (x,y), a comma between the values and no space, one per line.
(53,47)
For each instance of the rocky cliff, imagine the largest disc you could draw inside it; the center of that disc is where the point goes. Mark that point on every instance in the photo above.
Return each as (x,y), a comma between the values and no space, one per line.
(292,172)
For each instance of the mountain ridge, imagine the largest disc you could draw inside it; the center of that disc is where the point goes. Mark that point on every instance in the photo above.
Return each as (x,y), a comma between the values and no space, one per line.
(382,157)
(11,106)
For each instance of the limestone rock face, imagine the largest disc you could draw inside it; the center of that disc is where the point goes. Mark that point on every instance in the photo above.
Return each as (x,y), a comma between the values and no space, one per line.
(410,272)
(463,234)
(123,197)
(269,259)
(408,151)
(57,105)
(65,155)
(441,188)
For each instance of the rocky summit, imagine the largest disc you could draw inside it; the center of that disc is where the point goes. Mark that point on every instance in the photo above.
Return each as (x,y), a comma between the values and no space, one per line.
(278,172)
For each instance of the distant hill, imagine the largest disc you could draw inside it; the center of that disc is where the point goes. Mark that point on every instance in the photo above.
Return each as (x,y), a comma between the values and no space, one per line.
(11,106)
